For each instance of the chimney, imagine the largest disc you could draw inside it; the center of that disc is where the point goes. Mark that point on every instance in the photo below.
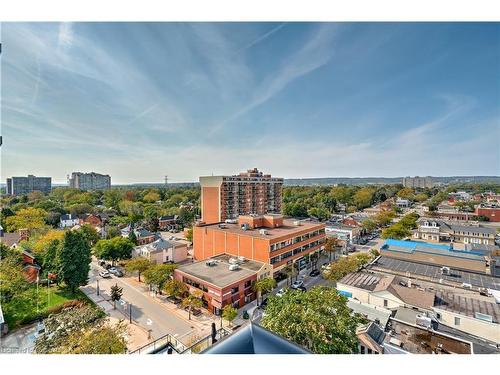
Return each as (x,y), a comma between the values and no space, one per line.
(24,233)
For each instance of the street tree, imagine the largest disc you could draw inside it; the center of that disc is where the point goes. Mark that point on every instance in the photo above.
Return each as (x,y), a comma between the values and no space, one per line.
(116,294)
(139,265)
(117,248)
(290,271)
(193,301)
(318,320)
(175,288)
(157,275)
(229,313)
(263,287)
(331,246)
(74,260)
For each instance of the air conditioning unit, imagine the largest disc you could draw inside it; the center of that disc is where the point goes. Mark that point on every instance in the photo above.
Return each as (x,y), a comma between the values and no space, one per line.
(263,232)
(234,267)
(297,223)
(231,221)
(241,259)
(211,263)
(233,261)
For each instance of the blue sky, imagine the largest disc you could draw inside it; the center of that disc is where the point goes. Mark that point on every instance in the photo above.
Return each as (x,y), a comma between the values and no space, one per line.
(144,100)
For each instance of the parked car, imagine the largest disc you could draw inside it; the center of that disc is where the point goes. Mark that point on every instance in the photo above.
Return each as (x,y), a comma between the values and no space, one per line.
(115,271)
(297,284)
(102,263)
(484,292)
(280,292)
(314,273)
(466,286)
(104,274)
(302,288)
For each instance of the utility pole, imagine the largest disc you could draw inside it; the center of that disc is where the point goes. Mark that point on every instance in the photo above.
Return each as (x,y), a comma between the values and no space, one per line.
(166,181)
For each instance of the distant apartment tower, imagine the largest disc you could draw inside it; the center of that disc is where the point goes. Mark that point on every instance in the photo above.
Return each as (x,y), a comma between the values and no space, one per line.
(250,192)
(418,182)
(89,181)
(25,185)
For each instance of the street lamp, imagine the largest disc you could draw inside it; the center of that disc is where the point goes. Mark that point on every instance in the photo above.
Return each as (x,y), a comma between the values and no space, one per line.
(97,286)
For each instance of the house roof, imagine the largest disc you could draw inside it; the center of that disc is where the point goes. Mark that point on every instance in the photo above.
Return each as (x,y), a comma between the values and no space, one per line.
(167,217)
(413,296)
(141,232)
(376,283)
(10,239)
(367,281)
(68,217)
(447,300)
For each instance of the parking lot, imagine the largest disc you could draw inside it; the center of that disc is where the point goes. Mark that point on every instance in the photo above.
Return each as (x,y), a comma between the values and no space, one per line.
(434,272)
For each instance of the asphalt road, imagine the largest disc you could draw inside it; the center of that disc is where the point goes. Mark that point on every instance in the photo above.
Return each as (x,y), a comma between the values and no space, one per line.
(147,312)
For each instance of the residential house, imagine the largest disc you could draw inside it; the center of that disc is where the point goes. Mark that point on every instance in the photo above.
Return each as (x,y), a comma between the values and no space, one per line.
(162,251)
(68,221)
(167,222)
(12,239)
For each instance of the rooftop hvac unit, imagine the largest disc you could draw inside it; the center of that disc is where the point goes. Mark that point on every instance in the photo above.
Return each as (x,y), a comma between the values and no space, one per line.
(234,267)
(263,232)
(211,263)
(231,221)
(233,261)
(222,226)
(241,259)
(297,223)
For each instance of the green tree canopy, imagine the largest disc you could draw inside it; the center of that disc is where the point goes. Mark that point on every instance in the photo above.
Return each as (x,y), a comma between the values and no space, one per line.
(27,218)
(139,265)
(159,274)
(318,320)
(74,260)
(117,248)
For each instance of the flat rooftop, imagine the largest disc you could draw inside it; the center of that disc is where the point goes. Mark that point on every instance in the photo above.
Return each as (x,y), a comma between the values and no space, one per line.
(388,264)
(286,229)
(219,274)
(420,341)
(410,247)
(367,281)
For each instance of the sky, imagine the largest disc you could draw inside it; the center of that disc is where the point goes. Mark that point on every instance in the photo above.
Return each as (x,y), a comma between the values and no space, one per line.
(140,101)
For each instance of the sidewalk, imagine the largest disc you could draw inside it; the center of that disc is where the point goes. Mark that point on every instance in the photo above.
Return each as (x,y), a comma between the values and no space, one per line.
(202,324)
(137,336)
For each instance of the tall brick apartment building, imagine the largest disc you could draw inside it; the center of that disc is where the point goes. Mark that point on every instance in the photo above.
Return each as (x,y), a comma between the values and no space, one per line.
(250,192)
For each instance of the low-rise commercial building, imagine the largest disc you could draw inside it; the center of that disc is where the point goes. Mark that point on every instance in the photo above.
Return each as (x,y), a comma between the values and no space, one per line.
(491,211)
(269,239)
(474,316)
(435,230)
(418,182)
(224,280)
(383,291)
(347,233)
(436,254)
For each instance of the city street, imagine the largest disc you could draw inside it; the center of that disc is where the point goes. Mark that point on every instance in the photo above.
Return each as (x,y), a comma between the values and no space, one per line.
(149,313)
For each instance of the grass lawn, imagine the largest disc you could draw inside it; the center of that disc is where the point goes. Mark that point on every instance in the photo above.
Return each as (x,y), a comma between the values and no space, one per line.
(22,309)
